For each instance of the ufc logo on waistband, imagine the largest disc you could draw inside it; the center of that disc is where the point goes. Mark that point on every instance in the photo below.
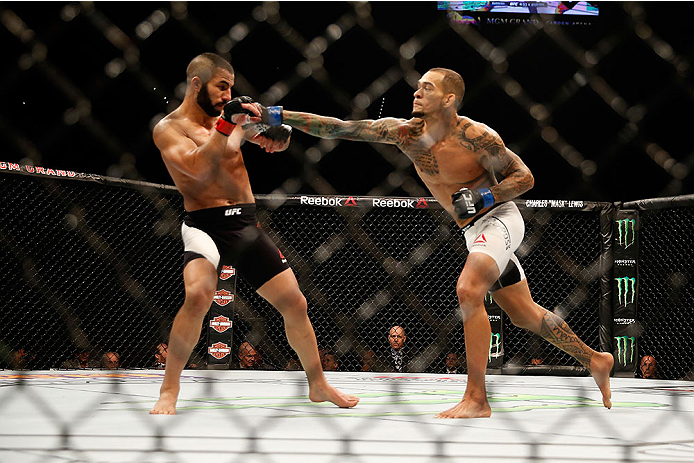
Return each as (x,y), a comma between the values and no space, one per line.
(234,211)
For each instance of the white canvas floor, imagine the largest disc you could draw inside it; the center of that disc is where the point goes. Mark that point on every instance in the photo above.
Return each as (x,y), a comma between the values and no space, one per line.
(262,416)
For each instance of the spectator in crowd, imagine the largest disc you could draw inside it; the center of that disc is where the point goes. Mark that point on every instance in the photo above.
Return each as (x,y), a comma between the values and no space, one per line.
(368,361)
(248,357)
(330,361)
(81,361)
(160,354)
(22,359)
(195,362)
(371,362)
(649,367)
(397,339)
(110,361)
(452,363)
(293,365)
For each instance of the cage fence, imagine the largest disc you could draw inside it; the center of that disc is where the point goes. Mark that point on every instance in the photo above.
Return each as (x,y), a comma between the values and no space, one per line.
(93,265)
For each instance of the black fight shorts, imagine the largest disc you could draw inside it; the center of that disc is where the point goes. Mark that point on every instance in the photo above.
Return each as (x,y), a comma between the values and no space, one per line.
(231,235)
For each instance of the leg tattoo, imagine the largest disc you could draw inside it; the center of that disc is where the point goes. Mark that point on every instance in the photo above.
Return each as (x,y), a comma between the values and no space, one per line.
(555,330)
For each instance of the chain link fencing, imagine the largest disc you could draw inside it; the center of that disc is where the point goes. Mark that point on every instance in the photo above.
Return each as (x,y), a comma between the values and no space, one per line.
(114,70)
(666,295)
(94,265)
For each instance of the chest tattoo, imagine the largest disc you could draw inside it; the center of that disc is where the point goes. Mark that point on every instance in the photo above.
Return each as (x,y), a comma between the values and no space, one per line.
(426,161)
(422,157)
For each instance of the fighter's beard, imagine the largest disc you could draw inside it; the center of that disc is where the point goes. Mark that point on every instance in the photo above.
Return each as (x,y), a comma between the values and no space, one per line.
(417,113)
(205,102)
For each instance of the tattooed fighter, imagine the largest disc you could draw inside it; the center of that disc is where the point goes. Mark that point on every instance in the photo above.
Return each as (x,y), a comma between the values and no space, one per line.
(458,159)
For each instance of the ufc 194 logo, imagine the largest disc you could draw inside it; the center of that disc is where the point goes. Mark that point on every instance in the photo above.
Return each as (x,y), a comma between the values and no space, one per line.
(233,211)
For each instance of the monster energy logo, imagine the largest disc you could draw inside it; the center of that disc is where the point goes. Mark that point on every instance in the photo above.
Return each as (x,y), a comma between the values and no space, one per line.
(488,298)
(623,347)
(626,290)
(495,345)
(624,226)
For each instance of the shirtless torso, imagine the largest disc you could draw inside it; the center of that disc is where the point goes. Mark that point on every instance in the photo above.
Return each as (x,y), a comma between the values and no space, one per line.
(203,156)
(203,182)
(447,154)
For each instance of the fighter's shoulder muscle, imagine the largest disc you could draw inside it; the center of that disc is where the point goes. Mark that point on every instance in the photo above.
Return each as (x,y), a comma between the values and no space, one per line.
(479,138)
(475,129)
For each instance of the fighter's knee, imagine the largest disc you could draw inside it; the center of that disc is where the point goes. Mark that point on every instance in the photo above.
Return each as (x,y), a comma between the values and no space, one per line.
(199,296)
(299,304)
(467,295)
(294,305)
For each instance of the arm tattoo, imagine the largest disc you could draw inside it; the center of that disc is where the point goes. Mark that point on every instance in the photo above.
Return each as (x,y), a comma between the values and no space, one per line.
(556,331)
(486,145)
(382,130)
(495,157)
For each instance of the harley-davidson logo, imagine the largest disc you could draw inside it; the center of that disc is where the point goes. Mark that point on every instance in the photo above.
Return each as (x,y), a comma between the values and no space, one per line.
(223,297)
(219,350)
(227,272)
(220,324)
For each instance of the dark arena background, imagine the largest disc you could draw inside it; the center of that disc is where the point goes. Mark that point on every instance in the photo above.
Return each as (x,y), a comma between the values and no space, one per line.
(597,105)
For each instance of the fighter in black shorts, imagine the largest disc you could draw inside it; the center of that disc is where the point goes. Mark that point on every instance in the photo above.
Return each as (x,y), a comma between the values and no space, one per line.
(202,152)
(232,235)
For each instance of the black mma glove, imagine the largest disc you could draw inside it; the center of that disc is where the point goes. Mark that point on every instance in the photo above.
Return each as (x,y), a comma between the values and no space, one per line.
(226,124)
(279,132)
(467,203)
(269,115)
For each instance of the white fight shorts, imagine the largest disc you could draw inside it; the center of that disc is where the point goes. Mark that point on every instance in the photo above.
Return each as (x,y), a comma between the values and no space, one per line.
(498,233)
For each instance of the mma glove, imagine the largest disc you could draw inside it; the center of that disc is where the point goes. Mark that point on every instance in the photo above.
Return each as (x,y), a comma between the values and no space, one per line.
(467,203)
(279,133)
(269,115)
(232,110)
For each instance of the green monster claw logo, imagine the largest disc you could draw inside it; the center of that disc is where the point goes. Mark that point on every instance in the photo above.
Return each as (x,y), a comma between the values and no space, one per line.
(488,298)
(623,347)
(626,290)
(626,239)
(495,345)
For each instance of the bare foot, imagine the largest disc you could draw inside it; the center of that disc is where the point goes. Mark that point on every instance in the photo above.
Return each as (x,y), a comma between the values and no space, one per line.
(325,392)
(166,405)
(600,367)
(467,408)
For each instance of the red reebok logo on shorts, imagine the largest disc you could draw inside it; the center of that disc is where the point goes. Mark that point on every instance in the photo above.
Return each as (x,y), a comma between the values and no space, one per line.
(284,259)
(480,238)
